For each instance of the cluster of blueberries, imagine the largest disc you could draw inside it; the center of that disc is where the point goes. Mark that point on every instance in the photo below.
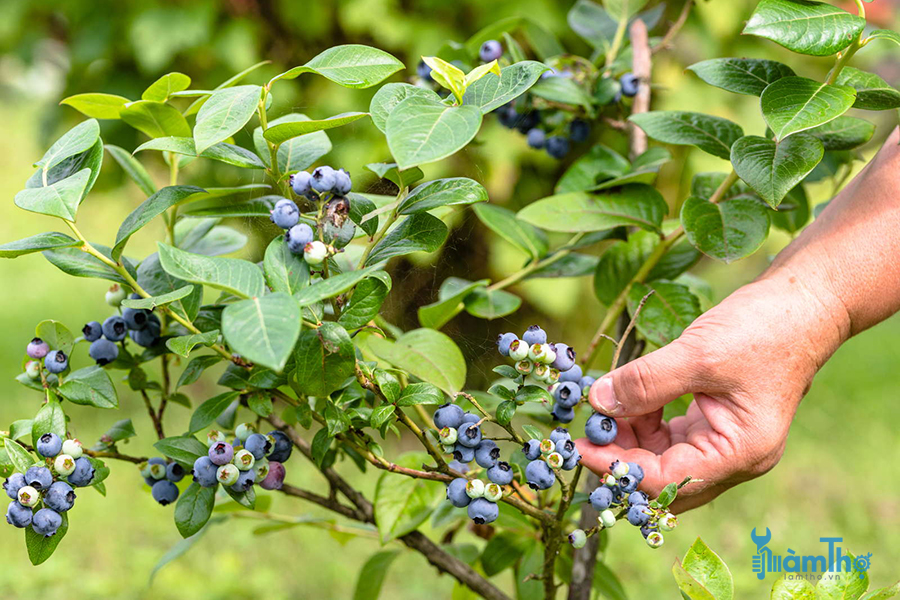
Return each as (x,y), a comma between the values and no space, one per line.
(141,325)
(618,497)
(43,492)
(324,184)
(252,458)
(162,476)
(55,361)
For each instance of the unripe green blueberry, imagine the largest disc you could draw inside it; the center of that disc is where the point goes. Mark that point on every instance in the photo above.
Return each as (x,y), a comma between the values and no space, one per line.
(540,372)
(619,469)
(552,376)
(524,367)
(244,430)
(33,369)
(315,253)
(243,460)
(449,436)
(145,469)
(227,474)
(261,469)
(609,481)
(655,539)
(64,465)
(157,471)
(73,448)
(606,519)
(668,522)
(578,538)
(548,354)
(493,492)
(547,447)
(28,496)
(555,460)
(536,353)
(518,350)
(115,295)
(214,437)
(475,488)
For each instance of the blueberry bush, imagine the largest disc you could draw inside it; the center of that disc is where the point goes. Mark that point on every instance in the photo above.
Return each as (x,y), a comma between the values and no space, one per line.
(308,363)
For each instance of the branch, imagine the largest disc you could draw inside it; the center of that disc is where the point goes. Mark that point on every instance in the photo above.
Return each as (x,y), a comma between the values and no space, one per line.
(666,42)
(330,503)
(615,359)
(114,455)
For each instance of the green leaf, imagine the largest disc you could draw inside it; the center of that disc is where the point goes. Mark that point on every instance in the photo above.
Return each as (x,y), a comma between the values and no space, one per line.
(517,232)
(872,92)
(748,76)
(183,449)
(298,153)
(727,231)
(207,412)
(77,140)
(427,354)
(325,357)
(20,429)
(90,386)
(885,34)
(600,163)
(622,10)
(806,27)
(20,458)
(714,135)
(133,168)
(224,114)
(533,393)
(157,282)
(489,93)
(882,594)
(60,199)
(80,264)
(420,232)
(232,275)
(666,313)
(491,304)
(419,131)
(333,286)
(195,368)
(120,430)
(793,214)
(364,304)
(792,589)
(185,344)
(390,95)
(620,263)
(450,301)
(350,65)
(371,576)
(772,169)
(161,89)
(562,90)
(56,335)
(97,106)
(843,133)
(709,570)
(403,503)
(502,552)
(41,548)
(154,301)
(690,588)
(505,412)
(633,204)
(447,75)
(381,415)
(193,509)
(454,191)
(420,393)
(285,271)
(533,432)
(278,134)
(156,119)
(794,104)
(150,208)
(263,330)
(222,152)
(841,584)
(36,243)
(49,419)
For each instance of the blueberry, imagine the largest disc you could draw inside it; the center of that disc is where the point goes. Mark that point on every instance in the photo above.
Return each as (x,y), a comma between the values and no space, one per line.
(56,361)
(323,179)
(156,468)
(448,436)
(458,466)
(490,50)
(566,448)
(114,328)
(281,449)
(572,462)
(565,357)
(221,453)
(487,454)
(536,138)
(60,497)
(423,71)
(619,469)
(456,492)
(668,522)
(342,182)
(448,415)
(567,394)
(579,130)
(532,449)
(45,522)
(563,414)
(165,492)
(646,530)
(628,484)
(315,252)
(257,444)
(547,447)
(135,318)
(470,418)
(601,498)
(493,492)
(300,183)
(518,350)
(174,472)
(573,374)
(246,479)
(638,515)
(655,539)
(607,518)
(33,369)
(49,445)
(557,146)
(600,429)
(275,478)
(560,433)
(636,471)
(539,475)
(285,214)
(586,382)
(260,470)
(243,431)
(18,515)
(213,436)
(469,435)
(39,478)
(28,496)
(149,335)
(228,474)
(528,121)
(638,498)
(115,295)
(501,473)
(243,460)
(297,237)
(503,342)
(629,84)
(83,473)
(204,472)
(103,351)
(92,331)
(483,511)
(37,348)
(72,448)
(578,538)
(534,335)
(507,115)
(463,454)
(13,484)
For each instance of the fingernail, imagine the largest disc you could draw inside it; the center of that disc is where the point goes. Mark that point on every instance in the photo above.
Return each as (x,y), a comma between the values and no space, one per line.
(603,397)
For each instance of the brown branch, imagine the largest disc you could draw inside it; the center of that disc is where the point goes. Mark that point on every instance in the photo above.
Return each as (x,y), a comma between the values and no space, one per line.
(115,456)
(584,559)
(627,332)
(330,503)
(641,67)
(157,424)
(665,43)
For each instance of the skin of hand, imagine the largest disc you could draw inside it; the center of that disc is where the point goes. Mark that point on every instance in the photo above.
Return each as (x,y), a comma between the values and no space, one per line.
(750,360)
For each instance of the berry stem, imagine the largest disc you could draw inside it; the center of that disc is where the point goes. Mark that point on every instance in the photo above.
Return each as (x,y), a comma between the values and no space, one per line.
(844,57)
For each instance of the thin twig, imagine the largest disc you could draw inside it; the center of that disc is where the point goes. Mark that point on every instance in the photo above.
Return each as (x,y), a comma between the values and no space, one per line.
(666,41)
(627,332)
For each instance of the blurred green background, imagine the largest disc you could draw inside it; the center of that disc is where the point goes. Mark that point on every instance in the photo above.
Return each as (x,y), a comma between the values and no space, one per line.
(830,482)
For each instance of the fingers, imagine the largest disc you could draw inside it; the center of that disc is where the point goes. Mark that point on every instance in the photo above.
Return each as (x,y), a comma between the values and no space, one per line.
(651,431)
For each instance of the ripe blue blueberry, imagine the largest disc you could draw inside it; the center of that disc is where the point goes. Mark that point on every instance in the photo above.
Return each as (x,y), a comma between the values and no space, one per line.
(92,331)
(536,138)
(557,146)
(501,473)
(636,471)
(458,466)
(539,475)
(463,454)
(469,435)
(563,414)
(221,453)
(573,374)
(135,318)
(297,237)
(83,473)
(285,214)
(490,50)
(572,462)
(300,183)
(628,484)
(528,121)
(423,70)
(532,449)
(342,182)
(37,348)
(13,483)
(566,448)
(586,382)
(456,492)
(560,433)
(114,328)
(60,497)
(257,444)
(601,498)
(565,357)
(174,472)
(165,492)
(639,515)
(56,361)
(629,84)
(503,342)
(534,335)
(646,530)
(507,115)
(103,351)
(245,480)
(274,479)
(18,515)
(482,511)
(39,478)
(579,130)
(487,454)
(638,498)
(45,522)
(323,179)
(49,445)
(281,449)
(567,394)
(600,429)
(204,472)
(149,335)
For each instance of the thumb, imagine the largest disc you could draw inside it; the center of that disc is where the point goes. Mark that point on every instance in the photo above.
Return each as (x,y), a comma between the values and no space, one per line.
(646,384)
